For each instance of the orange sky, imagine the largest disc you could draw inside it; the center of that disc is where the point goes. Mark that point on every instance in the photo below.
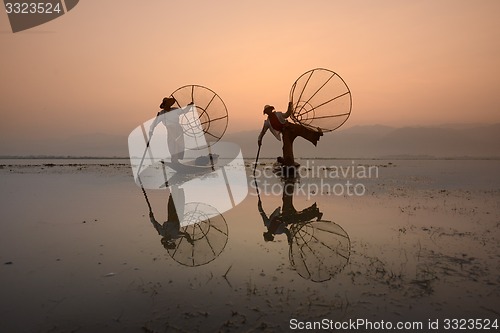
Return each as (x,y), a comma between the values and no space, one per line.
(105,66)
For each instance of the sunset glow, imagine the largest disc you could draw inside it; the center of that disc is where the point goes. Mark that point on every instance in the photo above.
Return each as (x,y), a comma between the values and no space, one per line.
(105,66)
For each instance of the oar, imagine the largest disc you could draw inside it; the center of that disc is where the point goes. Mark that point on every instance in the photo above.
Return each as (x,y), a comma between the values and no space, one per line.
(144,192)
(142,159)
(147,200)
(256,160)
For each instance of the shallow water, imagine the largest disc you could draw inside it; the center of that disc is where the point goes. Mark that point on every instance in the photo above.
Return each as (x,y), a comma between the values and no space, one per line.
(79,252)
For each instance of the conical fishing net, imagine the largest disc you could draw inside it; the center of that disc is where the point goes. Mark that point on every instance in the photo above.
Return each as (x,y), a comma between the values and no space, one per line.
(321,99)
(211,110)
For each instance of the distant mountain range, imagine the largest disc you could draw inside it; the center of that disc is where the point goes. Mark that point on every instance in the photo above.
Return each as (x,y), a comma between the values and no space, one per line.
(377,141)
(374,141)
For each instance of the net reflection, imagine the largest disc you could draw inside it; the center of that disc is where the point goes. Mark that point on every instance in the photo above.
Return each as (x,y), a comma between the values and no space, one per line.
(319,249)
(206,236)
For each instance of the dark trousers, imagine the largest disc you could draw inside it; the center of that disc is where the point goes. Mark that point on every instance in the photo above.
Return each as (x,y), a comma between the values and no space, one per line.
(290,132)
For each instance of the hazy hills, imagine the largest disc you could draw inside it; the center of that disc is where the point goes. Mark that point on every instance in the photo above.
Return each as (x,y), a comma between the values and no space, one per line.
(375,141)
(382,141)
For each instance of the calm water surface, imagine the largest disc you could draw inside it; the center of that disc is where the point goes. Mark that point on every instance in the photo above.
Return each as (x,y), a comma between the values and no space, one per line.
(79,250)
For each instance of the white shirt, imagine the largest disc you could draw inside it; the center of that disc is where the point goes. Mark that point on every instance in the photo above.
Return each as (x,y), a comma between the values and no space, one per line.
(170,117)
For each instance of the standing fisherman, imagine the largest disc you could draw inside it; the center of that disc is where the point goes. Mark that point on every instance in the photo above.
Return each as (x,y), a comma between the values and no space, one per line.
(277,123)
(169,116)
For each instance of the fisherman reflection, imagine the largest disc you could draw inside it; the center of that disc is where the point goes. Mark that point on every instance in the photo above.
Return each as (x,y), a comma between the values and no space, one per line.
(283,217)
(194,233)
(318,249)
(170,230)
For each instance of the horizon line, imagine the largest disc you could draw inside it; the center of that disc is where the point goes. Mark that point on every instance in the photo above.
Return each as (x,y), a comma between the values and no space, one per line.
(385,157)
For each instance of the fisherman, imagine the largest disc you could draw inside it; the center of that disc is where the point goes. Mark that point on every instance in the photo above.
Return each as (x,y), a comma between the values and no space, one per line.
(276,122)
(169,116)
